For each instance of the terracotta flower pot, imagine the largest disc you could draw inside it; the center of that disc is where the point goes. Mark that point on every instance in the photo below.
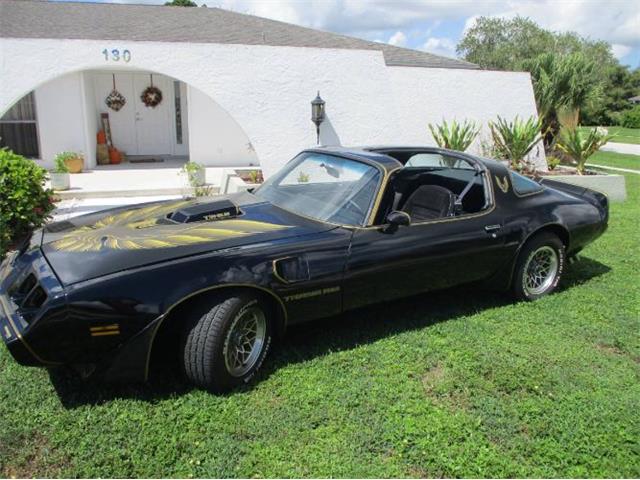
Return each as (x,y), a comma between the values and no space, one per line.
(114,156)
(75,165)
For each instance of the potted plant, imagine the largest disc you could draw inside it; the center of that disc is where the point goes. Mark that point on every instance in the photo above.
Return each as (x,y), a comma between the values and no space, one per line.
(195,173)
(60,175)
(455,136)
(241,179)
(74,161)
(577,146)
(580,146)
(514,140)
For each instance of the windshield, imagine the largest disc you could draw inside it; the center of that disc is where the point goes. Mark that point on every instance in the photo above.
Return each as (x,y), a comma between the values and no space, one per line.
(324,187)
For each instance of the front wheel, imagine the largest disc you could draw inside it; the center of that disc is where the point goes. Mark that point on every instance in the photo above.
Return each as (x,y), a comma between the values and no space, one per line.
(539,267)
(225,346)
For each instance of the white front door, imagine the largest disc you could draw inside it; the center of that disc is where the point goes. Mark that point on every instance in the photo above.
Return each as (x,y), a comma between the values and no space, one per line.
(137,129)
(153,124)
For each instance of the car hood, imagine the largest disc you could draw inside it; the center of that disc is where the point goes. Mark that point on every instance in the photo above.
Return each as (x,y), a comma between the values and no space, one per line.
(98,244)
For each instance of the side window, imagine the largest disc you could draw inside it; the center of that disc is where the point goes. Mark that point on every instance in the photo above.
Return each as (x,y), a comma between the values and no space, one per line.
(19,128)
(523,185)
(433,160)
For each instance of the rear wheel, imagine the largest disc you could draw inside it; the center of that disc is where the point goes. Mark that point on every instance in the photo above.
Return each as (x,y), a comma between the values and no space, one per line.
(539,267)
(225,346)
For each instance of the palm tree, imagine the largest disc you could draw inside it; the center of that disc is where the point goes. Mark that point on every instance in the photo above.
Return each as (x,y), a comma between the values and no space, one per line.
(562,87)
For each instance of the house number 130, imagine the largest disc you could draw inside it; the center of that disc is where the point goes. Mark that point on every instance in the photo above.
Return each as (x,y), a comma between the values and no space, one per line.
(116,55)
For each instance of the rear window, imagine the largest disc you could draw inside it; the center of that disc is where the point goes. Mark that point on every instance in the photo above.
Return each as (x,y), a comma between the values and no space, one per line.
(523,185)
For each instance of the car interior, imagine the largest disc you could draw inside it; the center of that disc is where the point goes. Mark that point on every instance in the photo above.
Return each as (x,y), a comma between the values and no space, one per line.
(432,186)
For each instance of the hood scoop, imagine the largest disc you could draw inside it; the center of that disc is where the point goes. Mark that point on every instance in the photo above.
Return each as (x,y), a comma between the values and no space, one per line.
(205,212)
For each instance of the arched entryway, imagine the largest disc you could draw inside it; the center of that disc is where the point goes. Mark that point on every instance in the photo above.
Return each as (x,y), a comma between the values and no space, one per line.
(65,114)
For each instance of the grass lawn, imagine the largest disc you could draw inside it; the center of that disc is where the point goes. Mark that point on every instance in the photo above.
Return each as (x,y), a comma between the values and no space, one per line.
(613,159)
(622,134)
(461,383)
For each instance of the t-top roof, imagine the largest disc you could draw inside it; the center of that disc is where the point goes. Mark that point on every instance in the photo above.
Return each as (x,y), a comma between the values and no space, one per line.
(100,21)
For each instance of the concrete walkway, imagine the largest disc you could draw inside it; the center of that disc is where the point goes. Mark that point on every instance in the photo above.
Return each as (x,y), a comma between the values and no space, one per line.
(115,181)
(615,169)
(628,148)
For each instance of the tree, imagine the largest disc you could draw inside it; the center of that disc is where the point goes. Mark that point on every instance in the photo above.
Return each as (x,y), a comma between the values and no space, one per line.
(504,44)
(181,3)
(571,74)
(563,85)
(621,84)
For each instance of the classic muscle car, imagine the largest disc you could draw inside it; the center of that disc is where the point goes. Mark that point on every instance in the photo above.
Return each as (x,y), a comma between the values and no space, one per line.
(219,278)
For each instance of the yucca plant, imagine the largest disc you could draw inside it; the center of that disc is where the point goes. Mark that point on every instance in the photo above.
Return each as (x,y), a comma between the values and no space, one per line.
(455,136)
(580,145)
(514,140)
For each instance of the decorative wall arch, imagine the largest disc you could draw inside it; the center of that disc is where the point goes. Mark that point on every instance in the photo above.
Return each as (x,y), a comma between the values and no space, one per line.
(204,101)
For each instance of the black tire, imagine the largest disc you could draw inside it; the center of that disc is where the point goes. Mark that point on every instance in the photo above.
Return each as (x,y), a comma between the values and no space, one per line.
(212,334)
(541,246)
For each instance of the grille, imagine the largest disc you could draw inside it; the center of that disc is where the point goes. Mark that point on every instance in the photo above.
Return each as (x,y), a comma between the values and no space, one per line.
(29,296)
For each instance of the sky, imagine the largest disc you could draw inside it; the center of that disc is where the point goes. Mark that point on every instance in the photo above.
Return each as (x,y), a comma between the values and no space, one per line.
(436,26)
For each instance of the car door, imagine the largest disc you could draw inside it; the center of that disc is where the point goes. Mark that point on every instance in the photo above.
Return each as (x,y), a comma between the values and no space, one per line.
(385,264)
(308,275)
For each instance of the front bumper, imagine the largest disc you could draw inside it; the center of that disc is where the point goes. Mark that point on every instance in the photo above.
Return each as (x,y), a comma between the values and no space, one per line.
(12,329)
(13,326)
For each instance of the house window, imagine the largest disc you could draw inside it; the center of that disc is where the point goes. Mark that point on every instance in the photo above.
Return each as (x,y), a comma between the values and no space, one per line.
(19,129)
(178,106)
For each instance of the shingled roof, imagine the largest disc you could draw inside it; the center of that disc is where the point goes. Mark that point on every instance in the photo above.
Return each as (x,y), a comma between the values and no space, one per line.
(100,21)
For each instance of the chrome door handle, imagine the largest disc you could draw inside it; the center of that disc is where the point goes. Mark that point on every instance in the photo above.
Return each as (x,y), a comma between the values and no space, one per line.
(492,228)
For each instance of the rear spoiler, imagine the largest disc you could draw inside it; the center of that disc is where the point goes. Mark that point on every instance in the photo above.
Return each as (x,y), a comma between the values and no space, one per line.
(598,199)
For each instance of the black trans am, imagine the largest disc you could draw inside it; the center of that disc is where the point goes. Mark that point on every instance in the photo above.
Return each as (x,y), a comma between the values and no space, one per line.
(335,229)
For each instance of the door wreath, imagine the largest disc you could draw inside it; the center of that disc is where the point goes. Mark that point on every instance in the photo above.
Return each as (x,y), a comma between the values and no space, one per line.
(115,100)
(151,96)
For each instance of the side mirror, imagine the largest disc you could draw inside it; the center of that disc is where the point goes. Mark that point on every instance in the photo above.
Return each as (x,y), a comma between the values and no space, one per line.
(397,219)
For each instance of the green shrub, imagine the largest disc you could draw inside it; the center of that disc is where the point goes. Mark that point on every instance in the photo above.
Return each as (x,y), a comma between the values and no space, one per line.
(580,145)
(192,171)
(60,164)
(514,140)
(552,162)
(630,118)
(25,203)
(454,136)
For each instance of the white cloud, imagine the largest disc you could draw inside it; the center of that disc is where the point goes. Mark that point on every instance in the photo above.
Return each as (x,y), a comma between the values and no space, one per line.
(440,46)
(398,39)
(615,21)
(348,16)
(620,50)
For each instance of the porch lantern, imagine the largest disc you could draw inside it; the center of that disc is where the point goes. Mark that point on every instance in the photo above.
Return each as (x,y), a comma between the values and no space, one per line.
(317,114)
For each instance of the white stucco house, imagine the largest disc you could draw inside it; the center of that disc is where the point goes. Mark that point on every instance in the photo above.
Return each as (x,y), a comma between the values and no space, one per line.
(236,88)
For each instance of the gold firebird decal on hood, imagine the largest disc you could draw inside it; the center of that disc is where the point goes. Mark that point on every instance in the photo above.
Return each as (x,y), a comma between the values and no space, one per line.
(131,230)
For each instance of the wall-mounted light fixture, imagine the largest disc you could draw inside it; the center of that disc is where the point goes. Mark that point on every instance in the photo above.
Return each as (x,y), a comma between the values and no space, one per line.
(317,114)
